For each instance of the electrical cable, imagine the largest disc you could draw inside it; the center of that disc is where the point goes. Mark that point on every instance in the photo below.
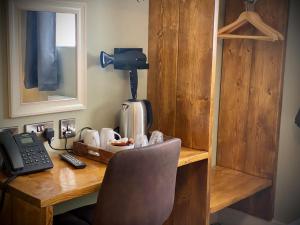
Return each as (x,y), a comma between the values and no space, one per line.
(82,129)
(61,149)
(4,186)
(66,141)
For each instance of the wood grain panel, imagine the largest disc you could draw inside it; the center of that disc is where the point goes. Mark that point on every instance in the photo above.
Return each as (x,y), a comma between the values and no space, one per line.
(154,56)
(29,214)
(179,79)
(264,119)
(194,73)
(266,94)
(251,92)
(168,79)
(230,186)
(191,197)
(235,84)
(250,105)
(256,204)
(163,50)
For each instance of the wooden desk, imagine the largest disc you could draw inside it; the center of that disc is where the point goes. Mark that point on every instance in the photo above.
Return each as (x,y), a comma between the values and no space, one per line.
(33,196)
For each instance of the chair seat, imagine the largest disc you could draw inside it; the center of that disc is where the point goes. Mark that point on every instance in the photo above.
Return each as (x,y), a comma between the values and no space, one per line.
(80,216)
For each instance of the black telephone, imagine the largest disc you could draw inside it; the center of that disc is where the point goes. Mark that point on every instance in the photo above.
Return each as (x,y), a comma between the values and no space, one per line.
(23,153)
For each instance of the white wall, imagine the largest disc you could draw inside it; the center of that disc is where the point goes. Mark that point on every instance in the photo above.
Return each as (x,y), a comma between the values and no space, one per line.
(110,24)
(287,200)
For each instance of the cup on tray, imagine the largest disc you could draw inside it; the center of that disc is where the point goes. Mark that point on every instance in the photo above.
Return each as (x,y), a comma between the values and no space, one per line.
(157,137)
(91,137)
(141,140)
(107,135)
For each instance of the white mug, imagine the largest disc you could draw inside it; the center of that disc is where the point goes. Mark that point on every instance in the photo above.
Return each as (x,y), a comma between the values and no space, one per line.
(91,137)
(106,135)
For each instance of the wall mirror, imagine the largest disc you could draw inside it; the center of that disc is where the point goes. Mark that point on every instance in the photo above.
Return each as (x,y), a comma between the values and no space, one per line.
(47,57)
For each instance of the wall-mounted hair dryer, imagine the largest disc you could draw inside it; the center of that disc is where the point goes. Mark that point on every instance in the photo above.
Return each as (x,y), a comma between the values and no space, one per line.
(130,59)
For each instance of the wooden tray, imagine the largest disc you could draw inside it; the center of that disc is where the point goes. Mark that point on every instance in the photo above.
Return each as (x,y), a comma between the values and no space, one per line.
(90,152)
(97,154)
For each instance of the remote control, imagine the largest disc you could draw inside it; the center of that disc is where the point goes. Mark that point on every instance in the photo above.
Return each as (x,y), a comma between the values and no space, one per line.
(69,158)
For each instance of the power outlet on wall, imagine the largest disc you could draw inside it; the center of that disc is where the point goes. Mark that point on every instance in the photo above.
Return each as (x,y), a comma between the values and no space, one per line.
(67,128)
(38,128)
(13,130)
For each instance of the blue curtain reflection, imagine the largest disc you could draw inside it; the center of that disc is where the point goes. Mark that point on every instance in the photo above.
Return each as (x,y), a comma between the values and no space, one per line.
(41,55)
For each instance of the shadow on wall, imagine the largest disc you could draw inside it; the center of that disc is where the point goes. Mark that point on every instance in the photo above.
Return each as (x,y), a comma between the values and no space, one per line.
(92,60)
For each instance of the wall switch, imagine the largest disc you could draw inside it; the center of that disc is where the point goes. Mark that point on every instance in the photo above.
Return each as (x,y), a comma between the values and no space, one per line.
(13,130)
(38,128)
(67,128)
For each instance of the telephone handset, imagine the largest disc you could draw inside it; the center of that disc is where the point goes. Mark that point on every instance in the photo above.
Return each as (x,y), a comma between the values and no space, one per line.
(23,153)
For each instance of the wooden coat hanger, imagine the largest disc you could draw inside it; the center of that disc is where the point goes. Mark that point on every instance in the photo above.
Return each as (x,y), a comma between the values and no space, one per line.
(253,18)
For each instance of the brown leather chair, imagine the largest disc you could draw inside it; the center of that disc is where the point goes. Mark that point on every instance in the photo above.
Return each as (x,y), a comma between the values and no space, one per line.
(138,189)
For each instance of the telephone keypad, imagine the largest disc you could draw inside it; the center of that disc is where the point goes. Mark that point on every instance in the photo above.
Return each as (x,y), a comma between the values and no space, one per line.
(33,156)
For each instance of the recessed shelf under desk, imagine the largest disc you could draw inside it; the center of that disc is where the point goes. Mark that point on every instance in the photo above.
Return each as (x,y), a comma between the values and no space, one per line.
(230,186)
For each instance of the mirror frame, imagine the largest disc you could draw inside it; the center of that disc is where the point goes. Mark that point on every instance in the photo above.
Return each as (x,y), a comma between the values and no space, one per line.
(17,107)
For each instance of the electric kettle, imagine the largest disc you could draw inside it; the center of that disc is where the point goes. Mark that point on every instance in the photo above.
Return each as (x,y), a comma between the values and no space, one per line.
(135,118)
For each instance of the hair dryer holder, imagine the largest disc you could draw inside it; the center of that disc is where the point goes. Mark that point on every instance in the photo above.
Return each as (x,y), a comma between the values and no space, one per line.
(130,59)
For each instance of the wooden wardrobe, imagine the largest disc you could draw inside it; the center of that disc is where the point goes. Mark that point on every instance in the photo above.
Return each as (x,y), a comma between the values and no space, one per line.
(181,87)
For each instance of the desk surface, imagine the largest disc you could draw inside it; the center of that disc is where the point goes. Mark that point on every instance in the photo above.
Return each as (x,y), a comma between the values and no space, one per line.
(63,183)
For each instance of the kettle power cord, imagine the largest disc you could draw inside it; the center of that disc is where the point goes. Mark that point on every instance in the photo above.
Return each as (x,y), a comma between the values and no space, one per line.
(49,135)
(85,128)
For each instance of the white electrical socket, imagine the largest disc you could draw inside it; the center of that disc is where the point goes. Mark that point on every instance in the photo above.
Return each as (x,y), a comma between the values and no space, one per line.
(67,128)
(38,128)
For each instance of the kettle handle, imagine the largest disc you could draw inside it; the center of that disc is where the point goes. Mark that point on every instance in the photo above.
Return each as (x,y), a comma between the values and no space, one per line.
(149,113)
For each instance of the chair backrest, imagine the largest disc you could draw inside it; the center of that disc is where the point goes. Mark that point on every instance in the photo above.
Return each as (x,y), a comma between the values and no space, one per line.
(139,186)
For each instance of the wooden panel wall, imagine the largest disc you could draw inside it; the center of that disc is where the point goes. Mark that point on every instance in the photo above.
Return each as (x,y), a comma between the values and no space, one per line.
(179,78)
(251,92)
(250,104)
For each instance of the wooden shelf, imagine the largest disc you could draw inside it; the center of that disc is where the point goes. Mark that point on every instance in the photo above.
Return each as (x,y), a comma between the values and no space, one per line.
(189,155)
(230,186)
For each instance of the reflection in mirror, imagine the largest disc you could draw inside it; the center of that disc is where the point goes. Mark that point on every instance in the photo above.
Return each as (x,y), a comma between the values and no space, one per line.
(48,43)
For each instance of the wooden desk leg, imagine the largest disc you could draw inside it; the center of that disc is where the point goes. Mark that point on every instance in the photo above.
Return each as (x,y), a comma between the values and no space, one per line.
(20,212)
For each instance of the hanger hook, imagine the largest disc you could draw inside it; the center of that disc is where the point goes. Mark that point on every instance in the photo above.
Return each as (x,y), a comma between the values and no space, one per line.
(139,1)
(249,4)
